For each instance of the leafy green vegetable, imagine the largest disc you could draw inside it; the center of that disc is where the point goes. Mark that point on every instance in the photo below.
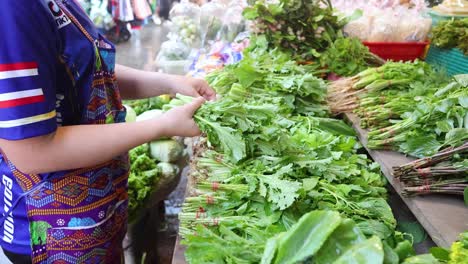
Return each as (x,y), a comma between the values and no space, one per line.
(306,237)
(272,155)
(414,229)
(348,56)
(303,27)
(142,178)
(450,34)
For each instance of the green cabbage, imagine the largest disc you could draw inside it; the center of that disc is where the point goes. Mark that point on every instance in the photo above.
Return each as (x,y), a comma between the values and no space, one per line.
(167,150)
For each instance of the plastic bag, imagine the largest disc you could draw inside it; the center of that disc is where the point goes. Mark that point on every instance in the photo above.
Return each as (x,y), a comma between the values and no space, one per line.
(413,28)
(185,17)
(387,20)
(173,49)
(211,20)
(233,22)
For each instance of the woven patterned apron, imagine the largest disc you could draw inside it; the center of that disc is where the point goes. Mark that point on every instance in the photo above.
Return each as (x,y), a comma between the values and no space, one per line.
(81,217)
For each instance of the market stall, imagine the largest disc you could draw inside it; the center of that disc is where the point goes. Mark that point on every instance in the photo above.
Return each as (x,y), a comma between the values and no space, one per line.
(313,121)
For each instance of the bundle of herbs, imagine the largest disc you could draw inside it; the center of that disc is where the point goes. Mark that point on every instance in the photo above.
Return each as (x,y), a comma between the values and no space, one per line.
(304,28)
(348,56)
(451,34)
(344,95)
(438,120)
(445,172)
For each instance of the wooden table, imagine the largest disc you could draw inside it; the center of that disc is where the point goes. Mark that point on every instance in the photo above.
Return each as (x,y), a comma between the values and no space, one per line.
(179,250)
(444,217)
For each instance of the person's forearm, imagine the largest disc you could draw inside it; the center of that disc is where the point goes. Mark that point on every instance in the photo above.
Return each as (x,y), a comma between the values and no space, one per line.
(137,84)
(80,146)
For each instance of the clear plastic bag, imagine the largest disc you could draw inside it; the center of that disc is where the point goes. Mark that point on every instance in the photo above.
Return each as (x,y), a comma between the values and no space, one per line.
(388,21)
(185,18)
(233,22)
(412,27)
(174,56)
(211,20)
(174,49)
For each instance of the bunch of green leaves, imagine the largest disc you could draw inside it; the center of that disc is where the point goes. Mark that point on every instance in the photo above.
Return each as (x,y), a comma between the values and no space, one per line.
(451,34)
(273,156)
(262,90)
(304,28)
(347,57)
(377,109)
(392,78)
(314,165)
(143,177)
(438,120)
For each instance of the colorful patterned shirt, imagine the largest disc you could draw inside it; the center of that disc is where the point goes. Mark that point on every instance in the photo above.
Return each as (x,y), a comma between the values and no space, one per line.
(37,92)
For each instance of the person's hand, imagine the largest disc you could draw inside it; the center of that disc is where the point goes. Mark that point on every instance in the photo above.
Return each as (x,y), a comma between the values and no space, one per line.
(179,120)
(194,87)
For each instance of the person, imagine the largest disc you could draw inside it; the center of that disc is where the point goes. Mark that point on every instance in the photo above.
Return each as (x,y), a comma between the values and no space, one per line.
(63,138)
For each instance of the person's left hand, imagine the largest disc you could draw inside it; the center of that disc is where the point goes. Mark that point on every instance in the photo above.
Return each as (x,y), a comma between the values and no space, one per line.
(194,87)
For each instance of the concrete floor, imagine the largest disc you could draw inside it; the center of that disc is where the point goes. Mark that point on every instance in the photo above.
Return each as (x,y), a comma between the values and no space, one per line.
(141,50)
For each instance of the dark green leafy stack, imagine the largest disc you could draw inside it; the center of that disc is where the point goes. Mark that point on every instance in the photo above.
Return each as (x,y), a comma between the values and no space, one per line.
(348,56)
(304,28)
(144,175)
(324,237)
(451,34)
(446,172)
(268,161)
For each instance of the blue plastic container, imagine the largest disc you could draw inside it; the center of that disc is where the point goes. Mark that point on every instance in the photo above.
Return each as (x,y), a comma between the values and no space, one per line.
(453,61)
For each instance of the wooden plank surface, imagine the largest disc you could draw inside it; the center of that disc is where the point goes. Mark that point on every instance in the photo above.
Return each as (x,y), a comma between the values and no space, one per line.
(444,217)
(178,257)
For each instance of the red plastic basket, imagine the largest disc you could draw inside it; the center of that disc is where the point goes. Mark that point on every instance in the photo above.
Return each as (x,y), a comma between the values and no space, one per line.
(397,51)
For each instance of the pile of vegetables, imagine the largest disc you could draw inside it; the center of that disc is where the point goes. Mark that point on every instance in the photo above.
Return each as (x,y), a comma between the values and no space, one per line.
(376,86)
(451,34)
(304,28)
(348,56)
(267,161)
(437,120)
(144,174)
(152,164)
(446,172)
(408,107)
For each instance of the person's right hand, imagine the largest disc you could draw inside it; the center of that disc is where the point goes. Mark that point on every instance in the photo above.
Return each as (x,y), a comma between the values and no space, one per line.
(179,120)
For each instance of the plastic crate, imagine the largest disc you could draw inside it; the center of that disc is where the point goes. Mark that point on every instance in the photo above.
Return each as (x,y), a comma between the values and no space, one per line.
(398,51)
(453,61)
(437,17)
